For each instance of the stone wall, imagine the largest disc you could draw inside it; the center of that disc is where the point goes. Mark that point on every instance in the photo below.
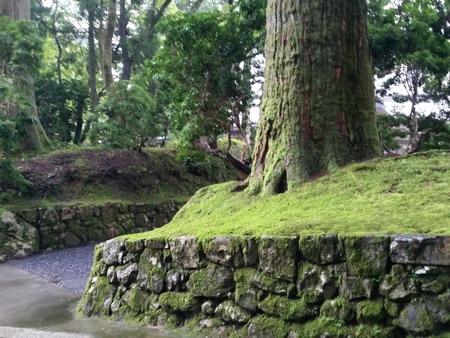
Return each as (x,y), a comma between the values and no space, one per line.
(25,232)
(324,286)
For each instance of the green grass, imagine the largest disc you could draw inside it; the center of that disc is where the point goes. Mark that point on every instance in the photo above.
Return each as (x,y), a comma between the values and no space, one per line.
(407,195)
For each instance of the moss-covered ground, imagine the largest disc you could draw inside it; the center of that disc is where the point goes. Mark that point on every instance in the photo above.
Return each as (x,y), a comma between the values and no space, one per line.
(408,195)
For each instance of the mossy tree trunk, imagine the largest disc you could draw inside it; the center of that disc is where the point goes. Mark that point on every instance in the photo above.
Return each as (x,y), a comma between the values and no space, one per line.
(36,138)
(318,109)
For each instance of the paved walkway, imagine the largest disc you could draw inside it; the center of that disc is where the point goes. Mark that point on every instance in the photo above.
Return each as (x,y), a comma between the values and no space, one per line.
(32,307)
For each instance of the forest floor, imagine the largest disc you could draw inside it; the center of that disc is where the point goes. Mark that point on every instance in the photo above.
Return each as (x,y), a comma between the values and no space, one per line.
(92,176)
(396,195)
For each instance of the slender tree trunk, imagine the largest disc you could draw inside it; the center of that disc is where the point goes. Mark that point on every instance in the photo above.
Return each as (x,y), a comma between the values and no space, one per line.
(123,23)
(92,82)
(318,108)
(36,138)
(107,44)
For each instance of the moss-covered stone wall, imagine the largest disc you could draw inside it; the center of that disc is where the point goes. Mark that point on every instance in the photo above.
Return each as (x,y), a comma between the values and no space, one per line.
(25,232)
(313,286)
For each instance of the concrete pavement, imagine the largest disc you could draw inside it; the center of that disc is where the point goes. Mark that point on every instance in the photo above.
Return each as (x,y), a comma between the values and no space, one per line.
(32,307)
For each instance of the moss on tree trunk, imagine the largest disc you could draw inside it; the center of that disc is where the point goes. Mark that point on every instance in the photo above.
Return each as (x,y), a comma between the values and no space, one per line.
(318,108)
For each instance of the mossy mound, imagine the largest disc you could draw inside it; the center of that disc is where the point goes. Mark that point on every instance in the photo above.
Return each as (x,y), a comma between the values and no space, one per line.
(407,195)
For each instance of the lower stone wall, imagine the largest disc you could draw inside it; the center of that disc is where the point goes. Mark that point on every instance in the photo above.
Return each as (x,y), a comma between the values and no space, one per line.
(25,232)
(324,286)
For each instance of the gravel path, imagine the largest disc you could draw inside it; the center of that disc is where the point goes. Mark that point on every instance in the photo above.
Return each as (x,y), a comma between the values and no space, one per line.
(68,268)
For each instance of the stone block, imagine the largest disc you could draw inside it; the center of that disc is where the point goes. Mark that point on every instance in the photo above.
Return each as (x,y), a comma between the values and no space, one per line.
(176,280)
(370,312)
(356,288)
(339,308)
(215,281)
(48,216)
(185,252)
(416,318)
(155,243)
(425,250)
(273,285)
(288,309)
(152,272)
(317,283)
(278,256)
(398,284)
(178,302)
(111,251)
(230,312)
(367,256)
(224,251)
(322,250)
(134,246)
(126,274)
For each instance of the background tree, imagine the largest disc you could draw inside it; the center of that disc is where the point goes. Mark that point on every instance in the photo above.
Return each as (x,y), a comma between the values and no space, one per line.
(410,44)
(318,109)
(205,68)
(19,56)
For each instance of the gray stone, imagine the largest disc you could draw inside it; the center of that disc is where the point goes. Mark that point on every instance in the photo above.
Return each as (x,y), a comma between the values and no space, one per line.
(398,284)
(230,312)
(67,213)
(356,288)
(225,251)
(127,274)
(155,243)
(48,216)
(416,318)
(176,280)
(316,283)
(250,251)
(29,215)
(84,212)
(185,252)
(273,285)
(208,307)
(322,250)
(152,271)
(108,212)
(278,256)
(426,250)
(69,240)
(339,308)
(214,281)
(111,251)
(432,279)
(18,239)
(111,275)
(142,221)
(367,256)
(134,246)
(247,298)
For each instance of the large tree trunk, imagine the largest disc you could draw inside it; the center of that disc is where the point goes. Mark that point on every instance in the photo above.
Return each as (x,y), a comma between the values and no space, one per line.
(318,108)
(123,26)
(36,138)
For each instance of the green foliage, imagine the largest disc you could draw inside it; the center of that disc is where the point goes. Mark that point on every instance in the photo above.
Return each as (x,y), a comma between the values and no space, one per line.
(60,105)
(390,127)
(20,47)
(204,67)
(126,117)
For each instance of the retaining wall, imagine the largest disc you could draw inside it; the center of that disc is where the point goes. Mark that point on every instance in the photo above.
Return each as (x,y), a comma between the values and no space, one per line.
(25,232)
(325,286)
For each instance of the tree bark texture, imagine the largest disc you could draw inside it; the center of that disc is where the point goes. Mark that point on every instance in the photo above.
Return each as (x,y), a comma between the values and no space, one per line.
(107,44)
(15,9)
(123,26)
(318,109)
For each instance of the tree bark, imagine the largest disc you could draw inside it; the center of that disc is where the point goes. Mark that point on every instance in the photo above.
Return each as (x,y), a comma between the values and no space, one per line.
(107,44)
(92,82)
(318,109)
(123,24)
(36,138)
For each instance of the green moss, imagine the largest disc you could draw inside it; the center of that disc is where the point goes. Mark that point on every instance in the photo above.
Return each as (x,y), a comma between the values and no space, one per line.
(355,200)
(176,302)
(266,326)
(339,308)
(391,308)
(97,301)
(370,311)
(287,309)
(245,275)
(274,285)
